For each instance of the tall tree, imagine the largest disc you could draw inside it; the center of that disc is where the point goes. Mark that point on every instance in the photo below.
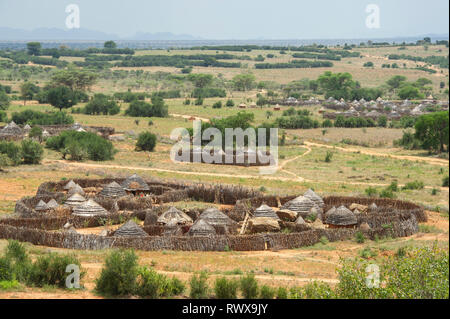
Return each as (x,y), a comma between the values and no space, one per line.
(432,131)
(34,48)
(27,90)
(75,79)
(110,45)
(61,97)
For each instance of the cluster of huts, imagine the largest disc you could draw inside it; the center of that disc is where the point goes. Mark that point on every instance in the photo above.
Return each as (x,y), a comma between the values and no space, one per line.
(379,107)
(306,210)
(14,132)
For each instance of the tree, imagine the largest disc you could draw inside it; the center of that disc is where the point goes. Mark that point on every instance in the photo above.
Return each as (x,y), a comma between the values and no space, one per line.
(146,141)
(432,131)
(27,91)
(101,104)
(4,100)
(36,132)
(337,85)
(34,48)
(61,97)
(32,152)
(396,81)
(244,82)
(74,79)
(410,92)
(110,45)
(200,80)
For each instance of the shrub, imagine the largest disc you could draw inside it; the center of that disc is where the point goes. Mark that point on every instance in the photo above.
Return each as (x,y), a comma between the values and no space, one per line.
(318,290)
(3,116)
(267,292)
(230,103)
(199,286)
(414,185)
(51,270)
(371,191)
(328,157)
(146,141)
(4,101)
(282,293)
(143,109)
(360,239)
(119,274)
(39,118)
(12,150)
(217,105)
(149,283)
(31,151)
(249,287)
(445,181)
(101,104)
(226,289)
(387,193)
(35,132)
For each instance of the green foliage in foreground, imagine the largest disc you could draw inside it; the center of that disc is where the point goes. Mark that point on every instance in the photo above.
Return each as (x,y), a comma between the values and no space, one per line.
(82,145)
(146,141)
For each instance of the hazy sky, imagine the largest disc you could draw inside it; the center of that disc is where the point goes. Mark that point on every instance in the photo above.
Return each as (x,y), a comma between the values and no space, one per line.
(236,19)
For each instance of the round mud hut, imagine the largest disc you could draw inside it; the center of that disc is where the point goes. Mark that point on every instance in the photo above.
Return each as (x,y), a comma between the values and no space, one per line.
(89,209)
(201,228)
(341,217)
(113,190)
(301,205)
(77,189)
(75,200)
(52,204)
(130,229)
(315,198)
(41,206)
(69,185)
(174,216)
(265,211)
(221,222)
(135,184)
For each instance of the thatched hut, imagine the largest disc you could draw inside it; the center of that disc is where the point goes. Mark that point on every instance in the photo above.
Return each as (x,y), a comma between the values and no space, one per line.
(300,221)
(373,207)
(174,216)
(69,185)
(314,197)
(201,228)
(302,205)
(89,208)
(41,206)
(75,200)
(135,183)
(221,222)
(77,189)
(130,229)
(341,217)
(52,204)
(113,190)
(265,211)
(11,129)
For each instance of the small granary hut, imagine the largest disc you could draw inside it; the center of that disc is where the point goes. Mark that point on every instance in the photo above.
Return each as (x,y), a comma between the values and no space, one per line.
(27,128)
(41,206)
(130,229)
(315,198)
(174,216)
(69,185)
(135,183)
(201,228)
(113,190)
(77,189)
(90,209)
(221,222)
(342,217)
(75,200)
(302,205)
(52,204)
(373,207)
(265,211)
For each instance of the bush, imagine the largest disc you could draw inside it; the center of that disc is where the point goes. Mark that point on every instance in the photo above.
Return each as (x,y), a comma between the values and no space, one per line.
(217,105)
(149,283)
(371,191)
(31,151)
(416,185)
(119,274)
(387,193)
(143,109)
(199,286)
(79,143)
(146,141)
(101,104)
(359,237)
(35,132)
(282,293)
(445,181)
(328,157)
(318,290)
(51,270)
(267,292)
(3,116)
(12,151)
(249,287)
(225,289)
(230,103)
(39,118)
(4,101)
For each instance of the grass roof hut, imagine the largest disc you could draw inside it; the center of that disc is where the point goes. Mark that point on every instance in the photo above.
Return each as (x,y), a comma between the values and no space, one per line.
(75,200)
(201,228)
(113,190)
(77,189)
(52,204)
(314,197)
(174,216)
(302,205)
(130,229)
(89,208)
(265,211)
(221,222)
(11,129)
(341,217)
(69,185)
(41,206)
(135,183)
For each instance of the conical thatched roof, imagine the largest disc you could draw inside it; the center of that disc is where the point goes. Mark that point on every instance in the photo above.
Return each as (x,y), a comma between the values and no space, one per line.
(174,216)
(373,206)
(77,189)
(75,200)
(69,185)
(11,129)
(89,208)
(201,228)
(300,220)
(215,217)
(113,190)
(265,211)
(314,197)
(135,182)
(41,206)
(130,229)
(52,204)
(301,205)
(27,127)
(341,216)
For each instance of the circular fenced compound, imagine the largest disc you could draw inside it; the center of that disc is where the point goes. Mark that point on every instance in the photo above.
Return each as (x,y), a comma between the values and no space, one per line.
(379,217)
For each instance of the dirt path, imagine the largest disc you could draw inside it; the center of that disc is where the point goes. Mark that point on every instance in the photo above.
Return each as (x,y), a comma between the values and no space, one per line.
(189,117)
